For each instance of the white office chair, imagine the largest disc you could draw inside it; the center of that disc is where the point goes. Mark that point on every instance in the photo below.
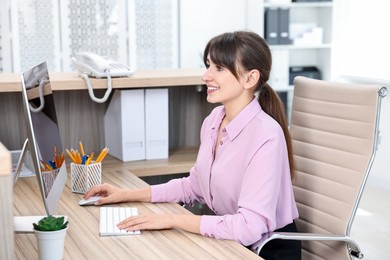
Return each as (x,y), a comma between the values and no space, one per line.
(334,129)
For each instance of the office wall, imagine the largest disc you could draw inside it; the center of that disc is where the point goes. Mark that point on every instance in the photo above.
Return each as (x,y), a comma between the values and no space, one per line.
(361,46)
(361,54)
(203,19)
(140,33)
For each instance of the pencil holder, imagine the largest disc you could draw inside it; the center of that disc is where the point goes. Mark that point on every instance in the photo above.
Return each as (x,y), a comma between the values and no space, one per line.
(85,177)
(48,179)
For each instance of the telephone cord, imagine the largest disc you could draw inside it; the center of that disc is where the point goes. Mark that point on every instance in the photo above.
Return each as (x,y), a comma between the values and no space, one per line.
(90,89)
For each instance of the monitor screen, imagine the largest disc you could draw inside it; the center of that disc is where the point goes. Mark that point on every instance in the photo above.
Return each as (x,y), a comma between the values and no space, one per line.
(44,140)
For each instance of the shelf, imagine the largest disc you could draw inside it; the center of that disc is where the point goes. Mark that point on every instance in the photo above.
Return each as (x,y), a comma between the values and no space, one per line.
(179,161)
(299,5)
(300,47)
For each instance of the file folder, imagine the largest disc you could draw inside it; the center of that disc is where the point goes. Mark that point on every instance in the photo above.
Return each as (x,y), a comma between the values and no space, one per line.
(124,125)
(284,25)
(156,123)
(271,25)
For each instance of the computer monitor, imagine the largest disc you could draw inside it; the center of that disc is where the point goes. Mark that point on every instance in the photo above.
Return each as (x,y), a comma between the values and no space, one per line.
(43,141)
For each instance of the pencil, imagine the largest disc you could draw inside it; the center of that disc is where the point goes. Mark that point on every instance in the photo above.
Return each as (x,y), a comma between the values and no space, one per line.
(62,158)
(81,149)
(56,158)
(76,155)
(104,155)
(101,154)
(89,159)
(71,156)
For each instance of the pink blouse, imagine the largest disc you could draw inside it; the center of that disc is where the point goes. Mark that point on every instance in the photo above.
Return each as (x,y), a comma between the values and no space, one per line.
(247,185)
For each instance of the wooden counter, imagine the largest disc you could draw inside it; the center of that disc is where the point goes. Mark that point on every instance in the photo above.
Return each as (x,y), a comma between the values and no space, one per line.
(11,82)
(81,119)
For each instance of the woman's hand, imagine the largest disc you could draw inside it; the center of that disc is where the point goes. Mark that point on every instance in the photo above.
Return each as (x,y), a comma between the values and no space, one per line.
(147,222)
(187,222)
(112,194)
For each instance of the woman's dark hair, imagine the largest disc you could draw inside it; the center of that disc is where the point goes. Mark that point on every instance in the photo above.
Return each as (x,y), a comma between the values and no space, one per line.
(249,51)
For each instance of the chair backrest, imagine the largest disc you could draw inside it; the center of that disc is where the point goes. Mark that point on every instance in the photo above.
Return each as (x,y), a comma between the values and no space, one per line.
(334,130)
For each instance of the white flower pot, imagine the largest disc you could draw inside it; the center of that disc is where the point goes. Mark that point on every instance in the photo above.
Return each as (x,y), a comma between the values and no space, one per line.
(51,244)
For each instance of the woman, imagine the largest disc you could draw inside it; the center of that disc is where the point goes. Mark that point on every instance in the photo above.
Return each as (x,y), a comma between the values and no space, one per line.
(244,166)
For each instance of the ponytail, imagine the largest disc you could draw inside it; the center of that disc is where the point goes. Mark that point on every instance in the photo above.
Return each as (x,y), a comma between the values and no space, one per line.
(272,104)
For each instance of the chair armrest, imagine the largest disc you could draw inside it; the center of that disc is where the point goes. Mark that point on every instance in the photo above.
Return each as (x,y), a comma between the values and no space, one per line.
(354,248)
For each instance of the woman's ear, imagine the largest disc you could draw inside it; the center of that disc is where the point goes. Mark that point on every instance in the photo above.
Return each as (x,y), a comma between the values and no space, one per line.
(251,79)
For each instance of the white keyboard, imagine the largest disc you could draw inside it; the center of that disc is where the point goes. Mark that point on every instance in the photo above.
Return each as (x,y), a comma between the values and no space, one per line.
(111,216)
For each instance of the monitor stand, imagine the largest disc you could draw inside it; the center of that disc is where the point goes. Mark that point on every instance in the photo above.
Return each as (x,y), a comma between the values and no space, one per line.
(21,161)
(23,224)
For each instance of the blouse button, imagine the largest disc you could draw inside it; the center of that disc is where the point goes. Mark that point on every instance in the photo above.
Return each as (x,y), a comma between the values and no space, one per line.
(221,143)
(224,130)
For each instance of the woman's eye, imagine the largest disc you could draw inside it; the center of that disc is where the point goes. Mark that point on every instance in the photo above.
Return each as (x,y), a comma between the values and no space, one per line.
(207,66)
(219,68)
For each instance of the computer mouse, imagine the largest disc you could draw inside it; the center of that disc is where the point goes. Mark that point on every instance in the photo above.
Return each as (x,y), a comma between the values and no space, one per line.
(90,201)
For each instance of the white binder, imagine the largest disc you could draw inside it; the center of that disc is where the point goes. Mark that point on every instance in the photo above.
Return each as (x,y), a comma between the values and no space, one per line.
(157,123)
(124,125)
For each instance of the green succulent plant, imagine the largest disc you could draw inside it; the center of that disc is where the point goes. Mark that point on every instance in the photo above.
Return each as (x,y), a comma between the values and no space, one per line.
(50,223)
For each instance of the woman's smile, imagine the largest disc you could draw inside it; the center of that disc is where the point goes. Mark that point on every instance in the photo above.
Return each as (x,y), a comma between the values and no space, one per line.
(211,89)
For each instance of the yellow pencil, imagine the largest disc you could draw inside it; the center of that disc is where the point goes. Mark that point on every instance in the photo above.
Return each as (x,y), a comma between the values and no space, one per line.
(89,159)
(76,155)
(103,155)
(56,159)
(62,158)
(43,166)
(47,166)
(81,149)
(71,156)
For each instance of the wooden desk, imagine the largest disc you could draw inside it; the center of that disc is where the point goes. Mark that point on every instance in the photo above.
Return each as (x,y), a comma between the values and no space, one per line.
(83,241)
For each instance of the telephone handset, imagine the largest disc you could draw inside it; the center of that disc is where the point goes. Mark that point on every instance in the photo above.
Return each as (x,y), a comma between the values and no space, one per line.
(93,65)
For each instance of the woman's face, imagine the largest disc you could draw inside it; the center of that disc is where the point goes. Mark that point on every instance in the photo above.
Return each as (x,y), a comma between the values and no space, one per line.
(222,85)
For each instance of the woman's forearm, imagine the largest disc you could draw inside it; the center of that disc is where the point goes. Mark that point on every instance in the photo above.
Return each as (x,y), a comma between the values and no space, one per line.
(190,223)
(141,195)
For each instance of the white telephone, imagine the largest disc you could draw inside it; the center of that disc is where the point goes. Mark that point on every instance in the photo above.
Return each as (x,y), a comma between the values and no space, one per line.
(93,65)
(97,66)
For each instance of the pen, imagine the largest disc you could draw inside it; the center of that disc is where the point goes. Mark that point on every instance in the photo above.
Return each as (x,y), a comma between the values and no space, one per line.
(84,159)
(53,165)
